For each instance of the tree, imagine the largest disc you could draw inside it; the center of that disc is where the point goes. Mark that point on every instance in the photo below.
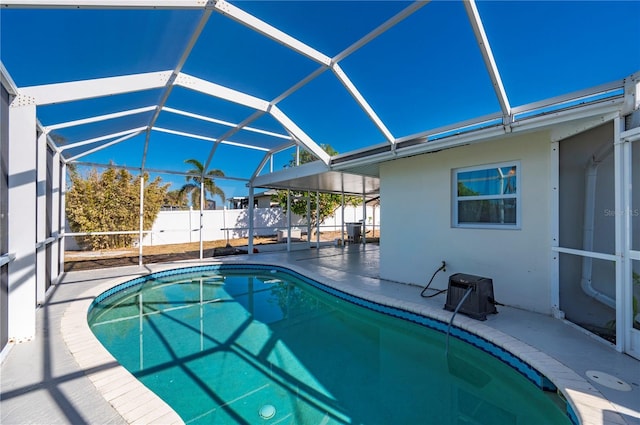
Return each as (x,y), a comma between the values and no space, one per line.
(176,199)
(328,202)
(111,202)
(193,183)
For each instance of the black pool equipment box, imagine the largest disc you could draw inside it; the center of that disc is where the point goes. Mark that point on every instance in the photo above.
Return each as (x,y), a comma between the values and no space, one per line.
(479,302)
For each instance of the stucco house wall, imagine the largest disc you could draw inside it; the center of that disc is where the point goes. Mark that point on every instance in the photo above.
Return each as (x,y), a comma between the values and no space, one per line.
(415,240)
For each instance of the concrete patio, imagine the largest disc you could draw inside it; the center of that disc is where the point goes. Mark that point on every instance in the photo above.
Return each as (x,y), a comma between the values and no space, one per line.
(43,382)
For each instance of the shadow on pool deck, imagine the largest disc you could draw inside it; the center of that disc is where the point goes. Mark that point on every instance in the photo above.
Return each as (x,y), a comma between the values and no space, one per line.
(41,381)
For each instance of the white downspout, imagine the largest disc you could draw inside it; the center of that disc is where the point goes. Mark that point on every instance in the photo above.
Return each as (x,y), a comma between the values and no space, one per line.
(317,219)
(591,177)
(309,219)
(141,220)
(288,220)
(364,214)
(251,211)
(202,198)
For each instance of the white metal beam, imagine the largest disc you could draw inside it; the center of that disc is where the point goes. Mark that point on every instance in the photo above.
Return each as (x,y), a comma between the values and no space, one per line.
(52,144)
(273,33)
(101,138)
(349,50)
(41,216)
(631,93)
(251,220)
(208,139)
(525,109)
(299,85)
(86,89)
(300,135)
(174,74)
(227,123)
(184,134)
(231,132)
(106,145)
(604,110)
(55,216)
(7,81)
(99,118)
(487,55)
(554,208)
(21,230)
(62,211)
(105,4)
(141,220)
(622,222)
(459,126)
(264,161)
(282,147)
(154,170)
(605,90)
(269,158)
(389,23)
(216,90)
(351,88)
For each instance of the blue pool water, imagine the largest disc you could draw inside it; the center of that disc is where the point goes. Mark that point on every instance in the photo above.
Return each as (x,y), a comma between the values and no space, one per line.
(262,345)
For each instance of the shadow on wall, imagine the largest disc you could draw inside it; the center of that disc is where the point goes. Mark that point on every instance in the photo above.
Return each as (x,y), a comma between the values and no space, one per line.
(266,222)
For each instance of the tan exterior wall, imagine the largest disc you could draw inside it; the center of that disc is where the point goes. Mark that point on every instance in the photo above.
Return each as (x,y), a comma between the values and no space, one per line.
(415,240)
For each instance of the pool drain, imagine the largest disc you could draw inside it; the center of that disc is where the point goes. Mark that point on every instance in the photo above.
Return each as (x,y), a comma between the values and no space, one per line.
(267,411)
(607,380)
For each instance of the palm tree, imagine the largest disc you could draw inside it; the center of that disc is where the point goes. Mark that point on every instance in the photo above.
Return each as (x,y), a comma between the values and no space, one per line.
(193,183)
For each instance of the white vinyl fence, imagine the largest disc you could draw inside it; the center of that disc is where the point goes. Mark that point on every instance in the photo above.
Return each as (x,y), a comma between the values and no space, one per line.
(173,227)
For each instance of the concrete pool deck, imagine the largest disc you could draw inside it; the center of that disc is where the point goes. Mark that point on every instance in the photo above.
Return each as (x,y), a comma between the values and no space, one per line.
(65,376)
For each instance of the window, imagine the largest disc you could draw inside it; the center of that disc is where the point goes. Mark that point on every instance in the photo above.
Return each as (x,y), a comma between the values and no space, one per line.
(487,196)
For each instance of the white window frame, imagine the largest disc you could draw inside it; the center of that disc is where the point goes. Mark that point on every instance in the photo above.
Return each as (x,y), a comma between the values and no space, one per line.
(454,197)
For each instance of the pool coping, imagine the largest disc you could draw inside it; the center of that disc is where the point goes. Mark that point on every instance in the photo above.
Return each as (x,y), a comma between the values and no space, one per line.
(137,404)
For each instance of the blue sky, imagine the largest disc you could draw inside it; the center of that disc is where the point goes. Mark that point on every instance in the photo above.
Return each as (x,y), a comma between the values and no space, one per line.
(424,73)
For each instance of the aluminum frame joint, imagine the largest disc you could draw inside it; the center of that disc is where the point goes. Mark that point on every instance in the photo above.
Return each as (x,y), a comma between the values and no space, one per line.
(209,4)
(22,100)
(631,98)
(221,6)
(507,120)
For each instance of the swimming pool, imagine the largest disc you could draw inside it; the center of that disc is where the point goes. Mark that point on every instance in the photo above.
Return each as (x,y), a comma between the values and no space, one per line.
(256,344)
